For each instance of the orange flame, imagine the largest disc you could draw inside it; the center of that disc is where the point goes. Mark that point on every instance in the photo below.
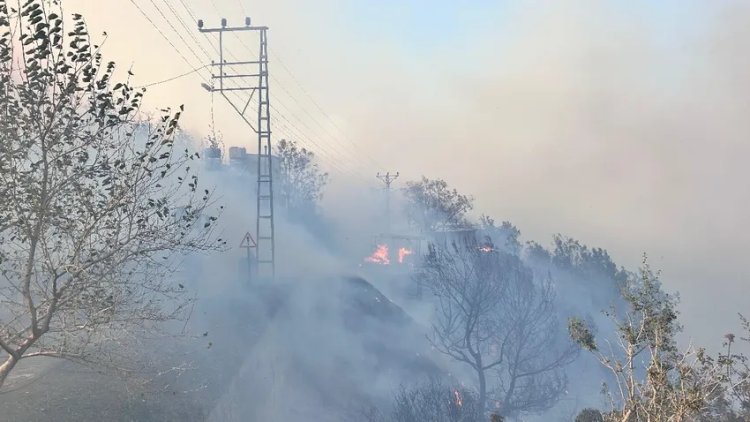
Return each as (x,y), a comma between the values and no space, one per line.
(403,253)
(380,256)
(459,400)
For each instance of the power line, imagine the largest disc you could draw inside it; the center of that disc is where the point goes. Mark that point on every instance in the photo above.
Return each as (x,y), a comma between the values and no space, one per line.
(300,135)
(182,75)
(185,27)
(195,21)
(331,163)
(173,28)
(323,155)
(317,105)
(324,152)
(300,132)
(242,7)
(182,23)
(161,33)
(297,82)
(325,158)
(293,98)
(308,128)
(352,155)
(229,53)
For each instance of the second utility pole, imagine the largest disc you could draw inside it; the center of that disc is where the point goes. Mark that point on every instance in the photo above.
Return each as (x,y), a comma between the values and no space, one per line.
(388,178)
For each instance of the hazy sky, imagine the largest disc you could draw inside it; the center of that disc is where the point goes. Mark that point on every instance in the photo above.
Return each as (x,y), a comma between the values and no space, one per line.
(622,124)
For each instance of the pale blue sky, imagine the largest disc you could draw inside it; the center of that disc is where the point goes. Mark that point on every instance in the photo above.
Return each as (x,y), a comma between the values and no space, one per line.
(424,25)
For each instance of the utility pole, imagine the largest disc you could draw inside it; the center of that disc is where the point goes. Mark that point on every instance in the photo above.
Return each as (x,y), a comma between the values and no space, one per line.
(264,223)
(388,178)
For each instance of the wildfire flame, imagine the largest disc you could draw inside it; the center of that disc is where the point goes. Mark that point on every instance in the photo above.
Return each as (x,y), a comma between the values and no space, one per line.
(403,253)
(459,400)
(380,256)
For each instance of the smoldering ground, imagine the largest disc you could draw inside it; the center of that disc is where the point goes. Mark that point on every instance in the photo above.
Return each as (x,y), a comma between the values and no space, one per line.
(323,342)
(622,124)
(326,343)
(320,343)
(591,96)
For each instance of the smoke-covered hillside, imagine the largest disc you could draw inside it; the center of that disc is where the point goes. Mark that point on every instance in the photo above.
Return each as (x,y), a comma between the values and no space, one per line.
(152,269)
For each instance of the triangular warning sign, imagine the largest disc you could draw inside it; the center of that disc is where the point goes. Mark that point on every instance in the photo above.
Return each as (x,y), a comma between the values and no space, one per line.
(248,241)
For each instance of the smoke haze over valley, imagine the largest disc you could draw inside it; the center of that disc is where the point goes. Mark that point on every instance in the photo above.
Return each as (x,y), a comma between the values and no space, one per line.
(619,124)
(544,147)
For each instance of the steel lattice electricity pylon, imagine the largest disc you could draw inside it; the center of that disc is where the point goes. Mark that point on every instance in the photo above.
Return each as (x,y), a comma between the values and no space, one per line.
(264,224)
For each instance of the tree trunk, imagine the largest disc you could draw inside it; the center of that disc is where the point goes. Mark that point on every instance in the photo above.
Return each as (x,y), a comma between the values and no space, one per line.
(6,367)
(482,392)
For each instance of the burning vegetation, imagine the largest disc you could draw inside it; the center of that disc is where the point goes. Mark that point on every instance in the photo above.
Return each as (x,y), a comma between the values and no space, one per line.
(486,248)
(381,255)
(403,253)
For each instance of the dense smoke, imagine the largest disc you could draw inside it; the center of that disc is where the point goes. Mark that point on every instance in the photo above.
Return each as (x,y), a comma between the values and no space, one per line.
(603,121)
(337,335)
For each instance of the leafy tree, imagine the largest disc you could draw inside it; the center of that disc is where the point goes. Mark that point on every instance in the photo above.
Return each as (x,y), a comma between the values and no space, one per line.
(537,254)
(88,229)
(655,381)
(493,317)
(302,181)
(431,204)
(732,403)
(587,263)
(580,271)
(739,371)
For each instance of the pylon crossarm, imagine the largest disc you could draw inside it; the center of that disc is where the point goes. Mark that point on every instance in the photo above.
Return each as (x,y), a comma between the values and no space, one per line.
(241,113)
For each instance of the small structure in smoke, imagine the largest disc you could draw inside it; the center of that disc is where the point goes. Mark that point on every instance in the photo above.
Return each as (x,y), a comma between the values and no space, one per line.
(454,234)
(244,162)
(238,159)
(212,158)
(240,164)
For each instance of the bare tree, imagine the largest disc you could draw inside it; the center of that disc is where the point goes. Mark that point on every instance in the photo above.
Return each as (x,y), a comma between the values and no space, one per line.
(535,350)
(655,381)
(431,204)
(468,286)
(89,232)
(302,181)
(492,317)
(430,401)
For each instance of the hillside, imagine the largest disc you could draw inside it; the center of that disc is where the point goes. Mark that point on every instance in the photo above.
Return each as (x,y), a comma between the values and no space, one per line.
(269,354)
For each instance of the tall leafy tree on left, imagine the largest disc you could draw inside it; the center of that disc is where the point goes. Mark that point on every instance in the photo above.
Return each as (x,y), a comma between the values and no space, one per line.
(96,204)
